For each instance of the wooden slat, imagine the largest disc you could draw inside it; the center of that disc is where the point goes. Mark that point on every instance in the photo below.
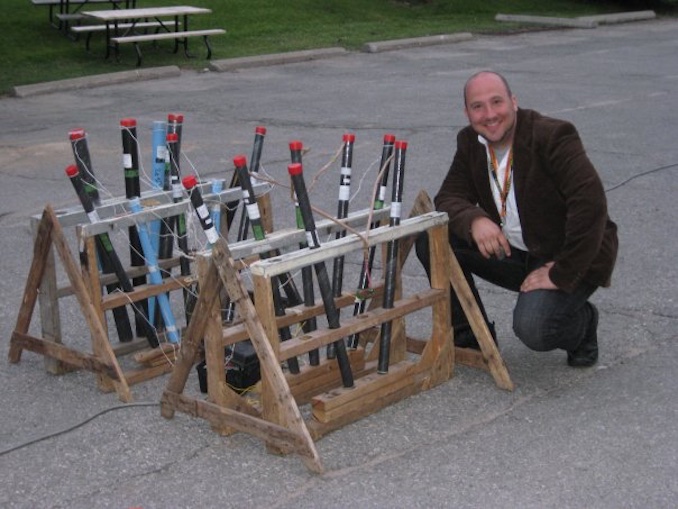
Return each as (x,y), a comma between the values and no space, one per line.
(283,437)
(41,248)
(316,339)
(64,354)
(100,344)
(291,262)
(296,314)
(269,364)
(314,380)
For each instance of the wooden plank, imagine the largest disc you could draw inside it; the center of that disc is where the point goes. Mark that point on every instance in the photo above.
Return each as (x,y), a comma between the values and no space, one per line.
(284,438)
(100,343)
(403,384)
(141,292)
(190,344)
(316,339)
(135,376)
(365,388)
(268,362)
(296,314)
(64,354)
(41,248)
(314,380)
(288,263)
(340,419)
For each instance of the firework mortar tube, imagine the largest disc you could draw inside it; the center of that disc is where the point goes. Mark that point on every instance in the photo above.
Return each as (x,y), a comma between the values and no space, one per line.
(257,149)
(83,162)
(366,271)
(191,185)
(342,212)
(154,276)
(307,271)
(105,248)
(158,156)
(130,164)
(232,206)
(178,222)
(254,215)
(175,123)
(296,173)
(392,255)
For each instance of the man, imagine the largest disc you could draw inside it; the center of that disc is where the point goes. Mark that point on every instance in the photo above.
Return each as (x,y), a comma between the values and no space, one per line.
(527,212)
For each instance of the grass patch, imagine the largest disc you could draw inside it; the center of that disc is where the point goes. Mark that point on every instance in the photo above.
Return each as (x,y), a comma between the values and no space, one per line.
(33,51)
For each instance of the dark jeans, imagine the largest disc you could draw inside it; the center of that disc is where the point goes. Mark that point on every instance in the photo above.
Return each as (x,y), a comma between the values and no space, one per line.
(542,319)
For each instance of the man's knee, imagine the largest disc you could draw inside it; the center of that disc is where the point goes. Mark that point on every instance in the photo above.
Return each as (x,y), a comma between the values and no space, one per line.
(537,332)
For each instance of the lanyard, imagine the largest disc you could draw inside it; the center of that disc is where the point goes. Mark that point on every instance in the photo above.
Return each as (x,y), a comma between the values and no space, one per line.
(508,177)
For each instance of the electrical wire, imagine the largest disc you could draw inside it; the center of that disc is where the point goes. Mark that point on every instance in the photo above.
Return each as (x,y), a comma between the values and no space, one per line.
(76,426)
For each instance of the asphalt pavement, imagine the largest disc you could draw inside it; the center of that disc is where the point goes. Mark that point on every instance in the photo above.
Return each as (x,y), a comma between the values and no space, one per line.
(603,437)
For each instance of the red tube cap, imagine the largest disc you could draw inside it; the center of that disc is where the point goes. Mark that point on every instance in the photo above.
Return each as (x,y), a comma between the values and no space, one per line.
(128,122)
(172,137)
(71,170)
(260,129)
(175,117)
(401,144)
(76,134)
(295,169)
(389,138)
(240,161)
(189,182)
(349,138)
(296,145)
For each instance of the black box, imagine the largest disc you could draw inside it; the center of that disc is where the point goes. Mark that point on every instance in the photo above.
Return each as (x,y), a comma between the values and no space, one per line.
(241,364)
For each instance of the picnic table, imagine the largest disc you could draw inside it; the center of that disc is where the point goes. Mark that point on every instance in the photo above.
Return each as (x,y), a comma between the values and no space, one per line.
(172,23)
(67,10)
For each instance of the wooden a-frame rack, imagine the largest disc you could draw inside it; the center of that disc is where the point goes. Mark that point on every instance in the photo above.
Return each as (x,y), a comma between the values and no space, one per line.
(277,418)
(86,284)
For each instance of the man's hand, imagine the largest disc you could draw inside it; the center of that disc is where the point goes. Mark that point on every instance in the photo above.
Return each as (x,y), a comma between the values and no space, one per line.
(539,279)
(489,238)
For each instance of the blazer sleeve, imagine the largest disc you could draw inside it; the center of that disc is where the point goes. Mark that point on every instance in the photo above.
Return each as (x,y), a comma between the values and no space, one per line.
(458,195)
(586,206)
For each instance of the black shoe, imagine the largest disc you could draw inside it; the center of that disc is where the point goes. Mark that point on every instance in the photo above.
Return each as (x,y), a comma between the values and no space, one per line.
(464,338)
(586,354)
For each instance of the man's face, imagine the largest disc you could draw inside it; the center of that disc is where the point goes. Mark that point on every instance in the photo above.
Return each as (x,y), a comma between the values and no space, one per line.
(491,110)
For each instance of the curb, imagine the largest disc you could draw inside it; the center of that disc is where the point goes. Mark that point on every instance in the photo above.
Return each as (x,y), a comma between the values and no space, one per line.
(377,47)
(545,20)
(96,81)
(580,22)
(621,17)
(232,64)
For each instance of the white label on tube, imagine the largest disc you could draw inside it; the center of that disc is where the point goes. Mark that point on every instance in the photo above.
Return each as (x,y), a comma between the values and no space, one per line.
(127,161)
(345,170)
(212,235)
(93,217)
(310,240)
(344,193)
(202,211)
(253,211)
(396,206)
(382,193)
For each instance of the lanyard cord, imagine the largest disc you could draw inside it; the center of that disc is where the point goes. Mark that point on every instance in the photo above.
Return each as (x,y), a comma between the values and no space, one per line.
(508,178)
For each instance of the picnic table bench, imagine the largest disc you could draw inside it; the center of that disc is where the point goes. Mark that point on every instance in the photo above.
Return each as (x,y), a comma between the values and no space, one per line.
(121,24)
(60,13)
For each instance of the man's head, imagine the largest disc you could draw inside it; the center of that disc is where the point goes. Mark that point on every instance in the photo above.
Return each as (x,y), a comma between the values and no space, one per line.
(491,107)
